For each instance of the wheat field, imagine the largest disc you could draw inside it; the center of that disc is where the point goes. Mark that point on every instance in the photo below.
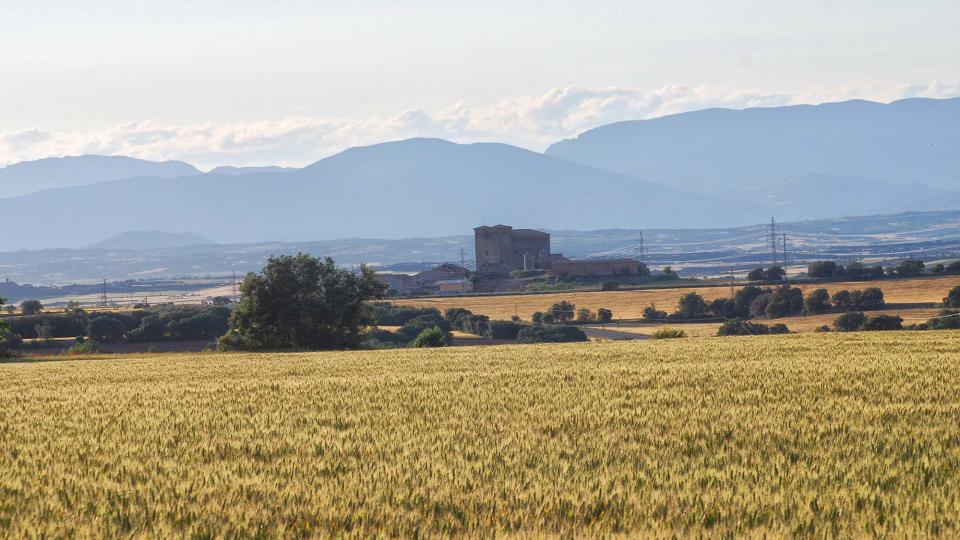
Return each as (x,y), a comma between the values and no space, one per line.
(817,434)
(630,304)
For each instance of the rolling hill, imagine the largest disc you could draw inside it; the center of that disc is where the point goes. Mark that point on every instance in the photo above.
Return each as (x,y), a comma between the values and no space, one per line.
(50,173)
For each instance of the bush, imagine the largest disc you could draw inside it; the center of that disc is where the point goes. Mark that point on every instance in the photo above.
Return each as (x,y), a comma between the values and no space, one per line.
(849,321)
(949,319)
(669,333)
(738,327)
(431,337)
(505,329)
(651,313)
(778,328)
(387,314)
(823,328)
(86,347)
(550,334)
(757,274)
(953,268)
(882,322)
(609,286)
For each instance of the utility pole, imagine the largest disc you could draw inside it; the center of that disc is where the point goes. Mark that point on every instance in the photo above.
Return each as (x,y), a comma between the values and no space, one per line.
(773,243)
(463,261)
(732,292)
(784,256)
(640,241)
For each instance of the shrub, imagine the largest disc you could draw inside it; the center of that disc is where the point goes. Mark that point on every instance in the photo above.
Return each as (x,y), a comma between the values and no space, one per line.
(550,334)
(824,328)
(953,268)
(505,329)
(669,333)
(949,319)
(757,274)
(430,337)
(738,327)
(778,328)
(609,286)
(849,321)
(882,322)
(387,314)
(651,313)
(86,347)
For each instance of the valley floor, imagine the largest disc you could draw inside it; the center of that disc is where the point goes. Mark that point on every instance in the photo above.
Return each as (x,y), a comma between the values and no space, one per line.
(818,434)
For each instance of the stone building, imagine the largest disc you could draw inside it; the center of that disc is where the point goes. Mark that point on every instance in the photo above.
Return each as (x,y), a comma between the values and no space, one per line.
(501,249)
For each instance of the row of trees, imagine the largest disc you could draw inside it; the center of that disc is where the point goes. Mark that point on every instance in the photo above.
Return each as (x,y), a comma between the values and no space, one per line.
(567,312)
(753,302)
(858,270)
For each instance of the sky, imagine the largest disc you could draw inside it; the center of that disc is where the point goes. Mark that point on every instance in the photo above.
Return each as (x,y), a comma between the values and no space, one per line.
(289,82)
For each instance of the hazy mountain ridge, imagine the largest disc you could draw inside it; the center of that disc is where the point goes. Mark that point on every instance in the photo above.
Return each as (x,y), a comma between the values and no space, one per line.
(417,187)
(51,173)
(141,240)
(912,140)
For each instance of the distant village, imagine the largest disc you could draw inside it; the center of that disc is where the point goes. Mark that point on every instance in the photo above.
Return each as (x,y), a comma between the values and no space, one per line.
(502,252)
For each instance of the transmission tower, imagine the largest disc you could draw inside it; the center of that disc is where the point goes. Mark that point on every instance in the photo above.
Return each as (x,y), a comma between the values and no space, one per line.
(103,295)
(640,244)
(784,254)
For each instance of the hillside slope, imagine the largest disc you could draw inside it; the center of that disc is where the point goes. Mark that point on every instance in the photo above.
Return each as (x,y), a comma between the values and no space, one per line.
(912,140)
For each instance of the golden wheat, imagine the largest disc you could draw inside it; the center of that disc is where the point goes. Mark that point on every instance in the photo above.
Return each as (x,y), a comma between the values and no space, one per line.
(823,435)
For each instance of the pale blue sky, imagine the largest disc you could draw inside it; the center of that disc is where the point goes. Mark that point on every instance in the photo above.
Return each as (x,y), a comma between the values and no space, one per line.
(70,67)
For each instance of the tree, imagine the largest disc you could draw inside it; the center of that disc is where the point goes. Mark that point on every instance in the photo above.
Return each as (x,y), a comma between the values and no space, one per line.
(303,303)
(849,321)
(818,301)
(692,306)
(8,339)
(505,329)
(10,309)
(784,300)
(563,311)
(550,334)
(537,317)
(31,307)
(744,298)
(221,301)
(44,331)
(774,273)
(822,269)
(938,268)
(953,268)
(841,300)
(584,315)
(952,299)
(757,274)
(871,298)
(430,337)
(106,329)
(604,315)
(909,267)
(72,307)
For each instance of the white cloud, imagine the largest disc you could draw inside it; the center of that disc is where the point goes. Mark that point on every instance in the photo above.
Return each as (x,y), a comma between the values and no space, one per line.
(529,121)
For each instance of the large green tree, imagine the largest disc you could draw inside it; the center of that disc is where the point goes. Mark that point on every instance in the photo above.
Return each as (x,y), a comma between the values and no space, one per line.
(303,303)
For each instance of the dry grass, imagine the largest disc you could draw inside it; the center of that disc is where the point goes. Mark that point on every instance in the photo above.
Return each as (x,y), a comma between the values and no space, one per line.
(630,304)
(809,435)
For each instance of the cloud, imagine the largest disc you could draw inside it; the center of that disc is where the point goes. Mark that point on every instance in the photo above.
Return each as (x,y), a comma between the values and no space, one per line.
(529,121)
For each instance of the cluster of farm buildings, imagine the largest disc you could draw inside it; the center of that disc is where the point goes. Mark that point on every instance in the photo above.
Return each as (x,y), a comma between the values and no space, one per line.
(500,251)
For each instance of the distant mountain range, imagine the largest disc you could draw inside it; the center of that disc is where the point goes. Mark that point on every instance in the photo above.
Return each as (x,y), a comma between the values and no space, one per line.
(711,168)
(32,176)
(140,240)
